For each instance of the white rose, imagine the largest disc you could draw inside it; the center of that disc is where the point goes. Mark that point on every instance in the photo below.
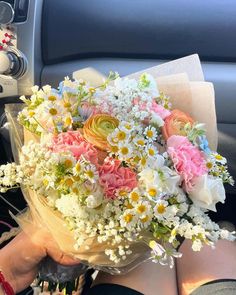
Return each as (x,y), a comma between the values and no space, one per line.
(149,177)
(207,192)
(93,201)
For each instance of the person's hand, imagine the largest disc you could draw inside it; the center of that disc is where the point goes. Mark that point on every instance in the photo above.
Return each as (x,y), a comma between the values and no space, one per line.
(20,258)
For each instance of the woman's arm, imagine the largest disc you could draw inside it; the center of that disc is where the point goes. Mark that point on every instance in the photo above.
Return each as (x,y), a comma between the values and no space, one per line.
(20,258)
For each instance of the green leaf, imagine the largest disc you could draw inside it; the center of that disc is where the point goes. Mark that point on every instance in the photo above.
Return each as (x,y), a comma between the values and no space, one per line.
(143,81)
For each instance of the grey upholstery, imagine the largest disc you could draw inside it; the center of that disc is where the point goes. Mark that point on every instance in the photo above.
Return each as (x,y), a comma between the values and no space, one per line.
(137,28)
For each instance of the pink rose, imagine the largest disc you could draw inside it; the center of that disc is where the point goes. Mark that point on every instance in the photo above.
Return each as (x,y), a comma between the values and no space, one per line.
(74,142)
(114,178)
(188,160)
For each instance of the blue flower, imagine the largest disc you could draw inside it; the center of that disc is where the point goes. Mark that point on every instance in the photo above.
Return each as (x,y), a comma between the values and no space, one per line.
(56,92)
(85,112)
(62,89)
(204,145)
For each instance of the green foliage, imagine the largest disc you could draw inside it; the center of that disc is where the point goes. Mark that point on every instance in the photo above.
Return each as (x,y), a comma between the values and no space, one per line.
(143,81)
(60,170)
(81,94)
(194,131)
(164,101)
(111,77)
(160,231)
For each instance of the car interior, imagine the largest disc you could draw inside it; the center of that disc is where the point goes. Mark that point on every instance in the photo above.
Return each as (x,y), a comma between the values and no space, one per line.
(42,41)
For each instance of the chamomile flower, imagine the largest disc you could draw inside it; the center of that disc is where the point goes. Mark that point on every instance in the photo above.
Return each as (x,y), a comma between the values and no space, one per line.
(66,159)
(69,162)
(114,149)
(145,220)
(68,121)
(152,191)
(91,173)
(125,150)
(160,209)
(140,142)
(143,162)
(78,168)
(53,110)
(47,89)
(135,196)
(29,115)
(150,133)
(122,193)
(209,164)
(197,245)
(143,208)
(218,158)
(128,219)
(35,89)
(151,150)
(119,135)
(126,126)
(52,97)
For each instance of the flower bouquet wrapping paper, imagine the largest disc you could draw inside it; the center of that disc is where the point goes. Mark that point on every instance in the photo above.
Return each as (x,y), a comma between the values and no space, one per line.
(120,170)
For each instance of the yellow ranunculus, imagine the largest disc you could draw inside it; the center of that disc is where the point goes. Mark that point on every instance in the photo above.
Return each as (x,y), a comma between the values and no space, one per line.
(97,128)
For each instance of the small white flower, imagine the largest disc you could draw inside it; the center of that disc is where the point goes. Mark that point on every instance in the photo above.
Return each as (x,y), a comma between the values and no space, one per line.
(47,89)
(35,89)
(197,245)
(156,120)
(68,205)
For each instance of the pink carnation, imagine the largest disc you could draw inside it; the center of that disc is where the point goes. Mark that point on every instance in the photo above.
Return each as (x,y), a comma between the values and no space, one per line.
(73,141)
(188,160)
(114,178)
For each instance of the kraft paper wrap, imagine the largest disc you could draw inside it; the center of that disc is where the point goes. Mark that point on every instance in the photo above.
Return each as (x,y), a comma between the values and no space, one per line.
(40,215)
(183,81)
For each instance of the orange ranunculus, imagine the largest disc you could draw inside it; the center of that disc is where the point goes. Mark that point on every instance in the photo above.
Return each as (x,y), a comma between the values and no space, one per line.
(174,124)
(97,128)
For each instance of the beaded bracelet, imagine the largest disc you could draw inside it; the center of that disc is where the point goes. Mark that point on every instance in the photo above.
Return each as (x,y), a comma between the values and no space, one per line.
(7,288)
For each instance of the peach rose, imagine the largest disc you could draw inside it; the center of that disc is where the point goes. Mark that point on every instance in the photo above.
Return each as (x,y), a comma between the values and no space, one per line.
(97,128)
(174,124)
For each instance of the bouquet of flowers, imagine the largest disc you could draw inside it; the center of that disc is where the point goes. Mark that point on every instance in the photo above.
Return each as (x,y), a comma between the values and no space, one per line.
(116,174)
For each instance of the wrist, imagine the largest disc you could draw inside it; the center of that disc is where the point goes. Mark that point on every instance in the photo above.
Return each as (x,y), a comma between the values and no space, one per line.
(6,269)
(6,287)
